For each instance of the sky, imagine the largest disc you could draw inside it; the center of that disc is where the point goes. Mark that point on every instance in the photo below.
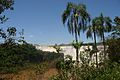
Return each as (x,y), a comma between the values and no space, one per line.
(42,23)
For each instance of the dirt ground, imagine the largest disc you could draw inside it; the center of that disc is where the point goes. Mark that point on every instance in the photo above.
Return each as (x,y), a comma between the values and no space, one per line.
(29,75)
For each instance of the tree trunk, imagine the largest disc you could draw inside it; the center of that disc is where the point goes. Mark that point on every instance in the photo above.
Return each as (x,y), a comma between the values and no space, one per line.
(95,48)
(77,50)
(76,39)
(104,46)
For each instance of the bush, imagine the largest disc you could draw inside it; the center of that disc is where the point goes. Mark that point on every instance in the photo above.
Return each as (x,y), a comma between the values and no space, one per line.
(17,56)
(69,71)
(114,49)
(50,56)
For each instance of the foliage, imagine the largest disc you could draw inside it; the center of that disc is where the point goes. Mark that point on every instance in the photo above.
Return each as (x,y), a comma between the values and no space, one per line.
(117,20)
(116,29)
(114,49)
(65,68)
(5,5)
(76,17)
(41,67)
(16,53)
(68,71)
(93,29)
(104,24)
(86,56)
(20,55)
(77,45)
(50,56)
(57,48)
(15,56)
(10,36)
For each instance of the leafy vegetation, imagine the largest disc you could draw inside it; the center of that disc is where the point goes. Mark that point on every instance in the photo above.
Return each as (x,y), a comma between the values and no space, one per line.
(76,17)
(21,55)
(116,29)
(109,67)
(57,48)
(114,50)
(16,54)
(69,71)
(5,5)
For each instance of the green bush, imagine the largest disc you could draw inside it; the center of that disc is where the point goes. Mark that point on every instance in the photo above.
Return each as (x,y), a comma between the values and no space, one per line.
(50,56)
(17,56)
(69,71)
(114,49)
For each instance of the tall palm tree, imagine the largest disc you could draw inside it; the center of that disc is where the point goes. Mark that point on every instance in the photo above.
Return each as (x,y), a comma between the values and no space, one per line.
(92,31)
(104,26)
(76,17)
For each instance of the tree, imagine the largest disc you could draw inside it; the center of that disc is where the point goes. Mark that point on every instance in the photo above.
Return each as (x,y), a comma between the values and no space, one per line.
(92,32)
(116,29)
(57,48)
(77,45)
(5,5)
(114,49)
(104,26)
(117,20)
(76,17)
(10,36)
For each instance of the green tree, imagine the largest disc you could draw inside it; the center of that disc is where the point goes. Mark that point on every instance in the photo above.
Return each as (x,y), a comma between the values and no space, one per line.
(92,32)
(76,17)
(114,49)
(116,29)
(77,45)
(104,25)
(5,5)
(10,36)
(117,20)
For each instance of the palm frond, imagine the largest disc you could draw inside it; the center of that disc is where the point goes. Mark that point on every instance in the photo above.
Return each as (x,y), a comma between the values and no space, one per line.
(65,16)
(76,17)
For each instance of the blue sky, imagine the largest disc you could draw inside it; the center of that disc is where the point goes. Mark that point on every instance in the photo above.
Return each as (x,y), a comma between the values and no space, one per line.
(41,19)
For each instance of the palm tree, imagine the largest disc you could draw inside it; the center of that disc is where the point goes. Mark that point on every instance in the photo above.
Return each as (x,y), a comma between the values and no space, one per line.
(104,26)
(76,17)
(116,29)
(92,32)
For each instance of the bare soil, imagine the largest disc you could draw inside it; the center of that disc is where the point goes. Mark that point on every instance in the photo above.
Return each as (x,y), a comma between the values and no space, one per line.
(29,75)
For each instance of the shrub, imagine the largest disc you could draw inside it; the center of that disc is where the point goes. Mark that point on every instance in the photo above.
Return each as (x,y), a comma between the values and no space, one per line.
(17,56)
(69,71)
(114,49)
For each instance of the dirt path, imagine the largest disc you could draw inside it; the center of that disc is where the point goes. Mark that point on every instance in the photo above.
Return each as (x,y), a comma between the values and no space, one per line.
(48,74)
(30,75)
